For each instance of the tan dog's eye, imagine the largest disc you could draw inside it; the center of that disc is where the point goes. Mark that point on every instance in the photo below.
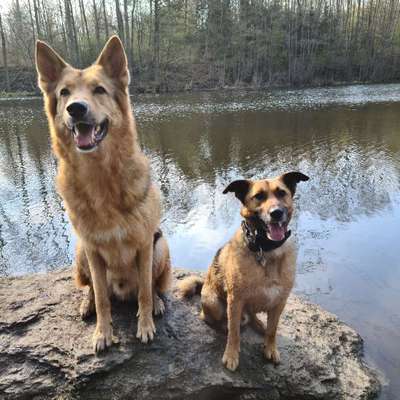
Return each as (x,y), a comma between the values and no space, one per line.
(280,193)
(99,90)
(260,196)
(64,92)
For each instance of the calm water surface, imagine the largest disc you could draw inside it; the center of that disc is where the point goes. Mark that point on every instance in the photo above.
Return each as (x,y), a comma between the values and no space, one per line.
(347,221)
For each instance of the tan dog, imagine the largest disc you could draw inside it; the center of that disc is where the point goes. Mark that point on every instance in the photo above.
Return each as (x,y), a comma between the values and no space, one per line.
(255,270)
(104,179)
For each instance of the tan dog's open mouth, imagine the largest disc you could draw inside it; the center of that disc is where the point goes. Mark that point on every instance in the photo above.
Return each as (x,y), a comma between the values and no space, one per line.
(88,136)
(276,230)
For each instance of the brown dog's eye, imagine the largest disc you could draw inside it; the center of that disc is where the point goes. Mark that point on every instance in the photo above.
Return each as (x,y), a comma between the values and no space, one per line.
(280,193)
(64,92)
(99,90)
(260,196)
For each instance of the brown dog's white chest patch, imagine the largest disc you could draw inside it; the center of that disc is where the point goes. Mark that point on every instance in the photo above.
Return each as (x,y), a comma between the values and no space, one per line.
(273,293)
(266,298)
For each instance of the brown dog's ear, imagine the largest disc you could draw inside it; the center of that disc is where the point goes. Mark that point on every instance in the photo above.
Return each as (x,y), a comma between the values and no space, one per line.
(49,66)
(240,188)
(113,60)
(291,179)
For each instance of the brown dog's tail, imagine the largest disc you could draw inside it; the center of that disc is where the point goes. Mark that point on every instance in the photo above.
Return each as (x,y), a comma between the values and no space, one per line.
(190,286)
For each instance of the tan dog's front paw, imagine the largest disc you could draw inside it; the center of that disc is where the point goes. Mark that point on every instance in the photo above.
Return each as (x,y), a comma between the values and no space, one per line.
(231,360)
(146,329)
(102,338)
(271,353)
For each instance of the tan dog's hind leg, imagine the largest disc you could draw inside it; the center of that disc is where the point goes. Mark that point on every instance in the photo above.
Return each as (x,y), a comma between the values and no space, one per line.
(146,328)
(83,278)
(163,282)
(257,324)
(161,286)
(102,337)
(234,314)
(270,349)
(81,267)
(158,304)
(88,306)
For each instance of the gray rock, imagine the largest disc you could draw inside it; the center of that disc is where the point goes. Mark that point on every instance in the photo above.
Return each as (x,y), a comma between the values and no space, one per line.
(45,352)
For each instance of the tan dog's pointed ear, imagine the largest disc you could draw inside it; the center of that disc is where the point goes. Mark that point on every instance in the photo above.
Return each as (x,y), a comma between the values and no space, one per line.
(49,66)
(113,60)
(291,179)
(240,188)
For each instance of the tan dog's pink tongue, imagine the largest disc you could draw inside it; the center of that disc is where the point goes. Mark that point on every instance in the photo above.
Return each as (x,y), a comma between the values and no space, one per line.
(84,136)
(276,232)
(83,140)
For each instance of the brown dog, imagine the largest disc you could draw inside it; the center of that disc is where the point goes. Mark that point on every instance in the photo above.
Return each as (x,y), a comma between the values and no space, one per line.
(255,270)
(104,179)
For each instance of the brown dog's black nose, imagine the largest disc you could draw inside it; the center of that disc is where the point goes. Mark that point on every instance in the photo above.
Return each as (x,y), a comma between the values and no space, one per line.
(77,109)
(277,214)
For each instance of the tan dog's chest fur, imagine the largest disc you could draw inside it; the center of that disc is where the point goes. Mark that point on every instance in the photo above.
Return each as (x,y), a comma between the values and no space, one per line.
(113,206)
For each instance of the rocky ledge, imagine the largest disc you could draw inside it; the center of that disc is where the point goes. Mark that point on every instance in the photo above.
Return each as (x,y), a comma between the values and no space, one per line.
(45,352)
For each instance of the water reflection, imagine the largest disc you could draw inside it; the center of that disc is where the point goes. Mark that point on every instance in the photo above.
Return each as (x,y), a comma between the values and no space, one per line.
(34,231)
(345,139)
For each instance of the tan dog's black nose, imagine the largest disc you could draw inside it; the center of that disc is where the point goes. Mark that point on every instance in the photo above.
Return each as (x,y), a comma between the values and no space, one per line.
(77,109)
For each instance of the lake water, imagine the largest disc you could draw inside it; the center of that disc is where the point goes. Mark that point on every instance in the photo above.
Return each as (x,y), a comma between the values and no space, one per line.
(347,220)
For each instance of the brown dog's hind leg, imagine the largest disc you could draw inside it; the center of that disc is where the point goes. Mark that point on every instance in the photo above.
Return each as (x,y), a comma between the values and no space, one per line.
(212,308)
(270,349)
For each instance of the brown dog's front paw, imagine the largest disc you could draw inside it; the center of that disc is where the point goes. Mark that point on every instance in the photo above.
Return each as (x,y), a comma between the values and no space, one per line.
(146,329)
(271,353)
(102,338)
(231,360)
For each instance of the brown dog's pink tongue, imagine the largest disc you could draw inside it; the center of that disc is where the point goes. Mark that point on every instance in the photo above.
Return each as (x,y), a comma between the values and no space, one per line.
(276,232)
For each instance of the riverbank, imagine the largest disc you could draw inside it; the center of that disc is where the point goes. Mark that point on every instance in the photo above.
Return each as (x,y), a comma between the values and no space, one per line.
(45,352)
(26,89)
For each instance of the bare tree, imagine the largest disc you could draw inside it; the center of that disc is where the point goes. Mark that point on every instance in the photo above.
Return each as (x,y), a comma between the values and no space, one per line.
(178,44)
(4,53)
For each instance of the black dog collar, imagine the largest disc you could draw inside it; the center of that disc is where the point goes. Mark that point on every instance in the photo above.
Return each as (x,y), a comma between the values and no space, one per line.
(255,236)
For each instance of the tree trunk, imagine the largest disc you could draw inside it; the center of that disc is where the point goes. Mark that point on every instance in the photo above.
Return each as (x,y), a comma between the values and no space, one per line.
(156,44)
(32,22)
(85,24)
(4,52)
(37,18)
(63,32)
(96,25)
(120,21)
(105,19)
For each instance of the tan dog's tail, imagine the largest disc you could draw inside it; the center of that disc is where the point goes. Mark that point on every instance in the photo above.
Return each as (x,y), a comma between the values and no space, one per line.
(190,286)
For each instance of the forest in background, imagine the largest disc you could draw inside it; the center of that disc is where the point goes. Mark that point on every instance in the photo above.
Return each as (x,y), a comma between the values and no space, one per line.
(175,45)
